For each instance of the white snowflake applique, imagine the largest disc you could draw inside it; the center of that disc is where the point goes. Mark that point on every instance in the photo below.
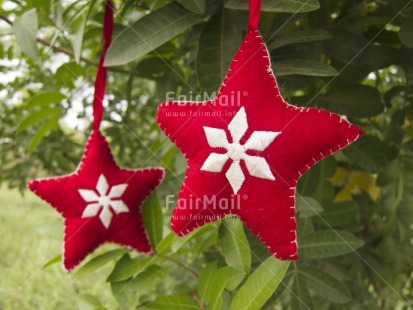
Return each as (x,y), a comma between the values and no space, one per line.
(108,202)
(259,140)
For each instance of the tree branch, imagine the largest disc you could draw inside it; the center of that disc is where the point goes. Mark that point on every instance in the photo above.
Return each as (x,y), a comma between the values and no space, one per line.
(64,50)
(178,263)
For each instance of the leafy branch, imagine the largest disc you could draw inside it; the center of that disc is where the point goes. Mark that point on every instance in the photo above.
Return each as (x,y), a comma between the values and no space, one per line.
(65,51)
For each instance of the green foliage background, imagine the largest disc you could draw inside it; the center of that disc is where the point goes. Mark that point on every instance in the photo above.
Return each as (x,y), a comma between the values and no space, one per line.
(354,209)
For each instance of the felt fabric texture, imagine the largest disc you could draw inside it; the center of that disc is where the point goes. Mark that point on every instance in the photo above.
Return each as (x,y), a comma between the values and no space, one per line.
(249,119)
(118,189)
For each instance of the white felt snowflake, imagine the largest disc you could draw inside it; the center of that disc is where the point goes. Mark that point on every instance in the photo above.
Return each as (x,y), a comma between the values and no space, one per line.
(258,141)
(104,200)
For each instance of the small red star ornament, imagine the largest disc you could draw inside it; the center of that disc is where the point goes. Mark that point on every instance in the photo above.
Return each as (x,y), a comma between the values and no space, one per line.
(250,147)
(100,201)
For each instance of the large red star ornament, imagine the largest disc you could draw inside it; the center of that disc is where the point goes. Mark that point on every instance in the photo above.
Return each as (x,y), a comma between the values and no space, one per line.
(100,202)
(246,150)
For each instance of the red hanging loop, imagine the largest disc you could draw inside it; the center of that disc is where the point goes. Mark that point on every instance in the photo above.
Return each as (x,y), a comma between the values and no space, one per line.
(100,82)
(254,14)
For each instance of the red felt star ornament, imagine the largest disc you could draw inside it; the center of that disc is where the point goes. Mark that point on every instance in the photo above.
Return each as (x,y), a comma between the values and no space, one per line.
(100,202)
(250,147)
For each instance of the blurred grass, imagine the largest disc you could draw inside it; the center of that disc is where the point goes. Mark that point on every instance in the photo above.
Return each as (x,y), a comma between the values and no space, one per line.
(31,235)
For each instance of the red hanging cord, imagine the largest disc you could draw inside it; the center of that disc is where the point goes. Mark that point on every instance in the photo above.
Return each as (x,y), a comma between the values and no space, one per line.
(100,82)
(254,14)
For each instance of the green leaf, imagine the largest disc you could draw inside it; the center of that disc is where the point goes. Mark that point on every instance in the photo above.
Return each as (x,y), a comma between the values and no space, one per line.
(45,98)
(406,33)
(25,30)
(205,242)
(40,5)
(125,297)
(325,285)
(88,302)
(164,246)
(299,37)
(235,245)
(57,15)
(368,153)
(179,242)
(128,292)
(196,6)
(148,279)
(303,67)
(153,219)
(153,30)
(354,49)
(287,6)
(225,278)
(152,68)
(355,100)
(404,209)
(77,40)
(206,278)
(53,261)
(408,145)
(169,156)
(392,93)
(260,285)
(65,74)
(346,46)
(232,276)
(38,116)
(98,262)
(363,22)
(49,125)
(300,296)
(390,175)
(128,267)
(328,243)
(340,213)
(173,302)
(316,183)
(307,207)
(167,50)
(380,56)
(218,43)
